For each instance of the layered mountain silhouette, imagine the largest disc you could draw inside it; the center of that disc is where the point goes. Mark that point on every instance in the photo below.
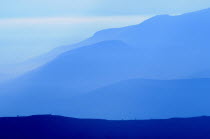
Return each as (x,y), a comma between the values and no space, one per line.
(157,37)
(57,127)
(143,99)
(187,30)
(136,98)
(89,80)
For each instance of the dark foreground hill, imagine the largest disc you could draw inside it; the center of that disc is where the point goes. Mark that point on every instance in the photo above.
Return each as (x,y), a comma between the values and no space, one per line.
(56,127)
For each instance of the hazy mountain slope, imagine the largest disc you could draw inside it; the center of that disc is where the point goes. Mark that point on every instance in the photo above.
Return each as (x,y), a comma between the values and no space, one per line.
(157,36)
(175,46)
(83,67)
(57,127)
(187,30)
(9,72)
(72,73)
(137,98)
(143,99)
(4,77)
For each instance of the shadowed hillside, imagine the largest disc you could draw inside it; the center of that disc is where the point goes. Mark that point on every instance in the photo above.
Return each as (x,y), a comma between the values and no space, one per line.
(56,127)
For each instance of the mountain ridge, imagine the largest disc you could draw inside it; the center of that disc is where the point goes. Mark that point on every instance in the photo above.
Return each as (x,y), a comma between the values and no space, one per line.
(141,41)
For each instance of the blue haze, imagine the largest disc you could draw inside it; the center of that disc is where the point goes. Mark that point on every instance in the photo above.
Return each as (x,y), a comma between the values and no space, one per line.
(25,8)
(168,52)
(21,42)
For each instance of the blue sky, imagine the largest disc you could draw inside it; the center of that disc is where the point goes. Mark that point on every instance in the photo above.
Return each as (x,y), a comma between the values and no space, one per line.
(37,8)
(29,28)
